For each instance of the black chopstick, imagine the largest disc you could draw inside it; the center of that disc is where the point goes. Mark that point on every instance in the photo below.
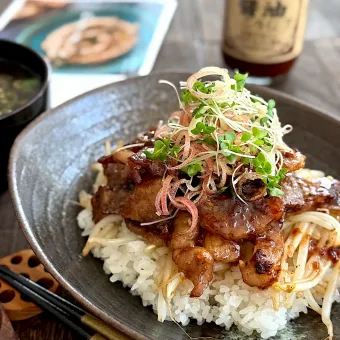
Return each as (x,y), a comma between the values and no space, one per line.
(46,305)
(42,291)
(73,313)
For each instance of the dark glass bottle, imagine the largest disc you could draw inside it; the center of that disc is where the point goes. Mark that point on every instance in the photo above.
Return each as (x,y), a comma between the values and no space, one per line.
(263,37)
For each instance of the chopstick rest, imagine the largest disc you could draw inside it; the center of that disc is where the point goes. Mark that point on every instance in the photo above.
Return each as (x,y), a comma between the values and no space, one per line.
(16,305)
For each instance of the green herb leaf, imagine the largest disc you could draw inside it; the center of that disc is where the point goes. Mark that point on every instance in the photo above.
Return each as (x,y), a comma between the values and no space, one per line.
(201,127)
(261,157)
(198,85)
(175,150)
(271,105)
(198,128)
(159,151)
(232,158)
(264,120)
(254,118)
(267,167)
(188,98)
(197,113)
(259,142)
(252,149)
(245,136)
(240,81)
(223,105)
(282,173)
(203,88)
(225,147)
(256,162)
(230,136)
(226,142)
(148,154)
(258,133)
(208,129)
(209,140)
(260,171)
(276,192)
(236,149)
(193,169)
(162,149)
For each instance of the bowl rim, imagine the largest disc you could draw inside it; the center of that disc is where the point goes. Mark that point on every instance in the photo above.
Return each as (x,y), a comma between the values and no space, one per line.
(44,85)
(24,224)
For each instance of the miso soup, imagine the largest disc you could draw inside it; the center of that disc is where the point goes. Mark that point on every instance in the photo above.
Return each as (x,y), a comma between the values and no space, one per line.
(18,86)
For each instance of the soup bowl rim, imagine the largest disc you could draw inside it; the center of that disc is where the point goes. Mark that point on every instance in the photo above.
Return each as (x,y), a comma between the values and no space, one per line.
(44,82)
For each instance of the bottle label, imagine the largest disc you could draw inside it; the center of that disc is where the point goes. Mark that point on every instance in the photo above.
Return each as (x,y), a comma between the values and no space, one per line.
(264,31)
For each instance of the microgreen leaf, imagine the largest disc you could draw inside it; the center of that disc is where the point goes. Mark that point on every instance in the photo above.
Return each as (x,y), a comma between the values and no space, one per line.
(267,167)
(209,140)
(259,142)
(245,136)
(236,149)
(208,129)
(225,148)
(161,150)
(175,150)
(197,85)
(188,98)
(276,192)
(203,88)
(256,162)
(193,169)
(201,127)
(240,81)
(282,174)
(252,149)
(197,129)
(264,120)
(226,142)
(261,157)
(260,171)
(271,105)
(258,133)
(232,158)
(148,154)
(230,136)
(197,113)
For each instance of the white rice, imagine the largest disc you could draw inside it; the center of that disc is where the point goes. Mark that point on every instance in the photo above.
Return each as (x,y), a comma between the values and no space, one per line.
(227,301)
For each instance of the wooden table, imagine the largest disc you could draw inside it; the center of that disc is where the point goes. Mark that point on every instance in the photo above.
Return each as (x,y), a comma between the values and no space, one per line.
(193,41)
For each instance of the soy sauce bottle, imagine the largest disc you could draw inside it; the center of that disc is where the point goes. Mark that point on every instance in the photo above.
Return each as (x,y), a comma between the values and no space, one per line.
(263,37)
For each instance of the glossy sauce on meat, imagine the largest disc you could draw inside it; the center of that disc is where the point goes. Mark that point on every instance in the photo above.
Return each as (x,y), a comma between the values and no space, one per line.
(157,234)
(195,262)
(180,238)
(221,249)
(225,222)
(197,265)
(263,268)
(303,194)
(140,204)
(107,201)
(140,166)
(293,160)
(232,219)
